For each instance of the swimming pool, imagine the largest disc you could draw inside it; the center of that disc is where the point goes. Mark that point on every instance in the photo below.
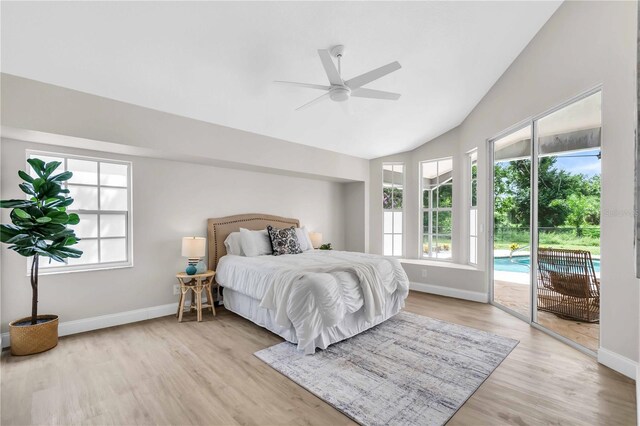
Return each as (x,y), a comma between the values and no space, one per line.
(521,264)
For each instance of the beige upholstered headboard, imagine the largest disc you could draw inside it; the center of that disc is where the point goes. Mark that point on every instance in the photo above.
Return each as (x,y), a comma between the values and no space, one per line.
(218,229)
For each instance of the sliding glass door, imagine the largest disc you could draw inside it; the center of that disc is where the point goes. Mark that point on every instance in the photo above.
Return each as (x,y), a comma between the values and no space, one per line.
(545,262)
(568,221)
(511,221)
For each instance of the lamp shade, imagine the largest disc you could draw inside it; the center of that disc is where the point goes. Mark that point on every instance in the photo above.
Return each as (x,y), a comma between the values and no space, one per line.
(316,239)
(193,247)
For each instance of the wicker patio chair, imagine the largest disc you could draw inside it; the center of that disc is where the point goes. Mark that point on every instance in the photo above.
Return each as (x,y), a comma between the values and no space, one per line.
(567,284)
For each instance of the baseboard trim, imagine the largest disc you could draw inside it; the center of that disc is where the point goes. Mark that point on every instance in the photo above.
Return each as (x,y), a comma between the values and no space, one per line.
(474,296)
(103,321)
(618,363)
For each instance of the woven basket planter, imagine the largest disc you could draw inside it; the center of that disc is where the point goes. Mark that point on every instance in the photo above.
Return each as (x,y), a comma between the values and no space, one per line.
(32,339)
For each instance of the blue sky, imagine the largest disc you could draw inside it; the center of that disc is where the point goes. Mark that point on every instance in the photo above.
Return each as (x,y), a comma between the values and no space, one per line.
(589,166)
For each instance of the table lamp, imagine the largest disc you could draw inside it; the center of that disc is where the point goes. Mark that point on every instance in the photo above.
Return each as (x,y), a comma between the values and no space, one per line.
(316,239)
(193,248)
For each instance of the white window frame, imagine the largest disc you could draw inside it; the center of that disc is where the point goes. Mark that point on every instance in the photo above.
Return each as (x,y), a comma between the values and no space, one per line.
(472,208)
(431,210)
(394,210)
(56,267)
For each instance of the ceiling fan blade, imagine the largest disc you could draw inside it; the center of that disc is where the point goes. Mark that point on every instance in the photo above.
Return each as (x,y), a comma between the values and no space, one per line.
(368,77)
(315,101)
(306,85)
(329,67)
(375,94)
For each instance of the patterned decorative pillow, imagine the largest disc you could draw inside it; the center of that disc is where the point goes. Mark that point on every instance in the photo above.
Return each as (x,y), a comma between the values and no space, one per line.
(284,241)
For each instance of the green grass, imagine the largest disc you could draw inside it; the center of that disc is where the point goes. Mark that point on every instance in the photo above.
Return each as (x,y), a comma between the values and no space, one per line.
(564,238)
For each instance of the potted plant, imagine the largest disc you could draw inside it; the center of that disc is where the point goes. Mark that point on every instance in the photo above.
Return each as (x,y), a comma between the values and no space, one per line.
(39,229)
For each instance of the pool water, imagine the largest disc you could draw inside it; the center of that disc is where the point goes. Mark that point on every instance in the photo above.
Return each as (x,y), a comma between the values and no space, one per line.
(521,264)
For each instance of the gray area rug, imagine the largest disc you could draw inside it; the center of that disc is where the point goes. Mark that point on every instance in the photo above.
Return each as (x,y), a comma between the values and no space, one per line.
(409,370)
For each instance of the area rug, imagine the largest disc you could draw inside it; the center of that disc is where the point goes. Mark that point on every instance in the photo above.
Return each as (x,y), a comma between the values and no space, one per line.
(409,370)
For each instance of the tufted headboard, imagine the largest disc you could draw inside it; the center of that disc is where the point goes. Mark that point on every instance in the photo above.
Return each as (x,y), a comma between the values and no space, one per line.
(218,229)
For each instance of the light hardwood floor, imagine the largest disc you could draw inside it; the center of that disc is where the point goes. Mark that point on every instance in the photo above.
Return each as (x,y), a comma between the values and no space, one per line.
(163,372)
(517,297)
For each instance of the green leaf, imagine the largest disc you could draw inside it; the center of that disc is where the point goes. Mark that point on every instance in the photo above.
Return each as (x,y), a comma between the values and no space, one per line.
(27,188)
(24,242)
(58,217)
(9,231)
(34,211)
(48,253)
(58,201)
(74,219)
(61,237)
(70,241)
(70,250)
(21,214)
(37,165)
(37,183)
(43,219)
(50,167)
(17,239)
(51,228)
(23,251)
(25,176)
(61,177)
(9,204)
(48,190)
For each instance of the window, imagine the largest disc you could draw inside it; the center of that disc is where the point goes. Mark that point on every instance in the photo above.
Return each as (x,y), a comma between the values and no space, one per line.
(101,190)
(472,161)
(436,184)
(392,195)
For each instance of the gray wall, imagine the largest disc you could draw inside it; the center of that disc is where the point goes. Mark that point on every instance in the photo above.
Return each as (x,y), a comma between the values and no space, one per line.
(583,45)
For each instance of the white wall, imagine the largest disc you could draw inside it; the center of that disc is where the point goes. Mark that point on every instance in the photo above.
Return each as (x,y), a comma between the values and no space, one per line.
(170,200)
(583,45)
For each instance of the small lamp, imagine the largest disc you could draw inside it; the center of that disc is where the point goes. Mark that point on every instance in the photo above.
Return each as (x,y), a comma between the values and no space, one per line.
(193,248)
(316,239)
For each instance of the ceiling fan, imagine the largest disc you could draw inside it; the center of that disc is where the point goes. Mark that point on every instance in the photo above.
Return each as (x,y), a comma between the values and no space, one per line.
(341,90)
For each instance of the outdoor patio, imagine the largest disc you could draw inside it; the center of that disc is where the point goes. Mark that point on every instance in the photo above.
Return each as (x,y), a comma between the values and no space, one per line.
(515,296)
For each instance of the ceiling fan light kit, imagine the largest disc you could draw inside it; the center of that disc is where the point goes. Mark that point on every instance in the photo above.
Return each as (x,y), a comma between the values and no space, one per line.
(341,90)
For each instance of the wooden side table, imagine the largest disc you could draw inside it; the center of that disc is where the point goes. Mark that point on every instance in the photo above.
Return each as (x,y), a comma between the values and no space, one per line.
(196,284)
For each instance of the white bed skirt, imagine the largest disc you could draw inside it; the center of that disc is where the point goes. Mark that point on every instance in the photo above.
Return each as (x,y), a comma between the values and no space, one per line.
(351,325)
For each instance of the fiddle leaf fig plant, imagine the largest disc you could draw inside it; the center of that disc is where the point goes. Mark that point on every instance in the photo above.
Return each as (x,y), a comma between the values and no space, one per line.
(39,223)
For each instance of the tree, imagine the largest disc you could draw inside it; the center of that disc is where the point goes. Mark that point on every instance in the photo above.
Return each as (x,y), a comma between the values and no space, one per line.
(580,207)
(391,198)
(512,182)
(39,224)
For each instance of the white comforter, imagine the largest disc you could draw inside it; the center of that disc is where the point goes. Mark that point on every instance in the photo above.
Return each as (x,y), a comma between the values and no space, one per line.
(315,290)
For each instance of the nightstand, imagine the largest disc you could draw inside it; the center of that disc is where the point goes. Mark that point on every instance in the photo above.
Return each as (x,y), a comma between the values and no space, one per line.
(196,284)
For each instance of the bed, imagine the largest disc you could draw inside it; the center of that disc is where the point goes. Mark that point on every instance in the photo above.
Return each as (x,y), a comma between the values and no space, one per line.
(312,299)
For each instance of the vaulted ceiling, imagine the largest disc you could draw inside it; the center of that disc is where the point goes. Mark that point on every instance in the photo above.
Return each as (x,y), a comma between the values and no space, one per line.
(216,61)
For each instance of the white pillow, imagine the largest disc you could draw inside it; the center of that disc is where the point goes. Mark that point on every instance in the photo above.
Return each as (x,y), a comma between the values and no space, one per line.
(255,243)
(303,239)
(233,243)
